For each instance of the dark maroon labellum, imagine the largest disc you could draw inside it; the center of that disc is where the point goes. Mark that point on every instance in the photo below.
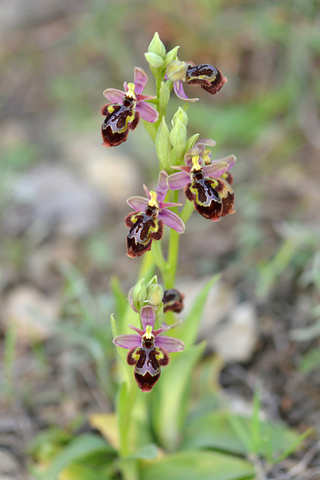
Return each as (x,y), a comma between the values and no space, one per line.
(206,76)
(205,197)
(119,120)
(148,361)
(172,300)
(143,229)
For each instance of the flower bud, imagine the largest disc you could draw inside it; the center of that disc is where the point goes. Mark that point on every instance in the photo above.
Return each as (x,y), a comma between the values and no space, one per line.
(178,138)
(163,146)
(156,46)
(171,55)
(177,70)
(139,294)
(155,294)
(191,141)
(180,115)
(154,60)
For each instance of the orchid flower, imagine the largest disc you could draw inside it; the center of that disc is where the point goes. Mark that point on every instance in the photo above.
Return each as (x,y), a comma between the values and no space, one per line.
(125,110)
(147,351)
(206,76)
(208,185)
(172,300)
(146,222)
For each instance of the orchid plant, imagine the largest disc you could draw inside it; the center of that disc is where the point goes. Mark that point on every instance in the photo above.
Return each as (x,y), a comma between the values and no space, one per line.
(150,436)
(207,186)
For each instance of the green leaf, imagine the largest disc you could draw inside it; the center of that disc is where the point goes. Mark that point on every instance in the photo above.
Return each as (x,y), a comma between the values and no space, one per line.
(147,452)
(232,433)
(81,447)
(114,326)
(170,396)
(196,465)
(121,351)
(188,331)
(78,471)
(52,435)
(120,298)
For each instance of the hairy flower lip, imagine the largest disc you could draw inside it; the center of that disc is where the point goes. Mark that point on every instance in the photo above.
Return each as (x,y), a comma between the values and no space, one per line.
(205,184)
(147,221)
(170,218)
(206,76)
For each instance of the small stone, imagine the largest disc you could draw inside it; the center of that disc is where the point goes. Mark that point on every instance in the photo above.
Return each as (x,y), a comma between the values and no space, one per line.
(9,468)
(220,301)
(32,313)
(114,175)
(52,197)
(235,340)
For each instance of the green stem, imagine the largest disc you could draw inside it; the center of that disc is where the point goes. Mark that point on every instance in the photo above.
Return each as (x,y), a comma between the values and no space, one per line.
(173,249)
(187,211)
(147,267)
(158,86)
(173,254)
(160,261)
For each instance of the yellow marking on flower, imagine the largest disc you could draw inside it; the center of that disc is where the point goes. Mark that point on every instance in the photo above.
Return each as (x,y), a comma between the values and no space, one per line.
(205,156)
(135,355)
(148,335)
(195,164)
(131,91)
(203,77)
(159,354)
(153,200)
(110,109)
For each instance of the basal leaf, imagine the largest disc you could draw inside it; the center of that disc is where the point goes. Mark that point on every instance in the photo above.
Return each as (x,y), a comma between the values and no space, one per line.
(197,465)
(78,471)
(80,447)
(148,452)
(229,432)
(107,424)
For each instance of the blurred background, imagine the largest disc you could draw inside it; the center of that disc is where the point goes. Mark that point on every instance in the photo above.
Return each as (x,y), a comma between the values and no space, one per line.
(63,201)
